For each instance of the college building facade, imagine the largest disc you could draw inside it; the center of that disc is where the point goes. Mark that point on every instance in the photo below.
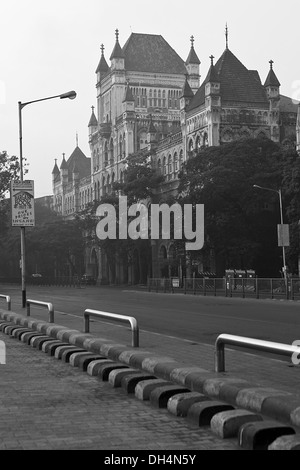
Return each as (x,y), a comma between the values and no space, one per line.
(152,102)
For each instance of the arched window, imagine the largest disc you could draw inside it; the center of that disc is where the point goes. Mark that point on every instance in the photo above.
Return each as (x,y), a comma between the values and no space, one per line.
(111,151)
(165,165)
(175,164)
(159,166)
(120,147)
(180,159)
(105,154)
(170,167)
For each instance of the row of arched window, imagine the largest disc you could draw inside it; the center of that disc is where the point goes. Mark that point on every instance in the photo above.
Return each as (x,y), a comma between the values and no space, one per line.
(170,165)
(109,153)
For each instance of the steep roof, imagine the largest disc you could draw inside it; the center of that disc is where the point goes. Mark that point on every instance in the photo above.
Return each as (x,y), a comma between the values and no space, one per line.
(192,57)
(117,52)
(238,84)
(78,160)
(271,79)
(93,120)
(102,66)
(128,94)
(187,92)
(151,53)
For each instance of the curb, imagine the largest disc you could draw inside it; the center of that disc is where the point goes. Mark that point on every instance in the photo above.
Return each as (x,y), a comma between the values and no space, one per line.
(170,375)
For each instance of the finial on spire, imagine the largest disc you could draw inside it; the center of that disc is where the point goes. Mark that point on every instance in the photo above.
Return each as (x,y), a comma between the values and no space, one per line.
(212,59)
(226,35)
(93,107)
(102,49)
(63,156)
(76,139)
(192,41)
(55,159)
(117,35)
(271,62)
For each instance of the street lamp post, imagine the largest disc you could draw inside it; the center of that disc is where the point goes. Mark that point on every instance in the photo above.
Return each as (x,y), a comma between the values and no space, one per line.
(71,95)
(281,221)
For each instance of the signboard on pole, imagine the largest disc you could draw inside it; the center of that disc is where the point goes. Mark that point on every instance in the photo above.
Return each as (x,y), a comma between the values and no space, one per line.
(22,203)
(283,235)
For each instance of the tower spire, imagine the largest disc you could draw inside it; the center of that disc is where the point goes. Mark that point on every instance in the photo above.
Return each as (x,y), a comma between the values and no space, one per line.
(226,35)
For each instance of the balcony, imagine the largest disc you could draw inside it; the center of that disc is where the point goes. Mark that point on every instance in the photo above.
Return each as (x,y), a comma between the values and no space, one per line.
(105,129)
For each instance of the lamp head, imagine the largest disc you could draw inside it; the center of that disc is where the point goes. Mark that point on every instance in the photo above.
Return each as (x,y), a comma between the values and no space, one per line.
(70,94)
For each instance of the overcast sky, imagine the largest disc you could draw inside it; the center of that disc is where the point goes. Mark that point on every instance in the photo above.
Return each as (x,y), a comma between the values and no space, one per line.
(50,47)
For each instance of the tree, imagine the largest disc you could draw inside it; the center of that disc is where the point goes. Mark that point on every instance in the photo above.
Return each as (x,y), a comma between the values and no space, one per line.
(291,205)
(239,227)
(139,183)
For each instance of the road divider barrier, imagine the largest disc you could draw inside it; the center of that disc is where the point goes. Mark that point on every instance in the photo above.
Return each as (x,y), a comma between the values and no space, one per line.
(113,316)
(251,343)
(49,305)
(8,300)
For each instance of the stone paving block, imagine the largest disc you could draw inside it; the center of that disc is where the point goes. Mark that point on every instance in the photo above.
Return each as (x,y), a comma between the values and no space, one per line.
(17,333)
(116,375)
(258,436)
(61,349)
(94,366)
(106,368)
(26,337)
(67,353)
(36,341)
(76,356)
(282,408)
(145,387)
(179,404)
(46,347)
(226,424)
(288,442)
(84,361)
(4,325)
(159,396)
(8,330)
(201,413)
(129,382)
(253,398)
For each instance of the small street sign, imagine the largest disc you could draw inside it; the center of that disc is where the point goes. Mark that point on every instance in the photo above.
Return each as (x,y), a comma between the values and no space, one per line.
(283,235)
(22,203)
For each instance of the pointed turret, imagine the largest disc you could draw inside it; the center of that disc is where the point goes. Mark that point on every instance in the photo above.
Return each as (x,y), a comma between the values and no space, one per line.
(55,170)
(64,171)
(117,56)
(272,86)
(102,68)
(185,98)
(272,80)
(55,173)
(93,124)
(212,81)
(192,64)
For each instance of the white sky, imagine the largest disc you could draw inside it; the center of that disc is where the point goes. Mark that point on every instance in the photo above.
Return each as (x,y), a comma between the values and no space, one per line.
(51,47)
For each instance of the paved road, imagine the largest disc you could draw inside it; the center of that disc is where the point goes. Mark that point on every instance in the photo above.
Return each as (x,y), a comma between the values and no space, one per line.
(199,319)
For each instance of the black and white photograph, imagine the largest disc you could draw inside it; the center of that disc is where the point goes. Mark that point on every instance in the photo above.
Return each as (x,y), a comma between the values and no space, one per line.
(149,229)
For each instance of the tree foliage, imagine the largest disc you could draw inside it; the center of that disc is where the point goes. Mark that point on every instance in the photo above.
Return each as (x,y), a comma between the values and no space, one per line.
(238,224)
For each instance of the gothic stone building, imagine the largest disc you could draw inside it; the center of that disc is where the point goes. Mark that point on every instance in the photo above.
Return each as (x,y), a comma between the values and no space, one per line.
(151,100)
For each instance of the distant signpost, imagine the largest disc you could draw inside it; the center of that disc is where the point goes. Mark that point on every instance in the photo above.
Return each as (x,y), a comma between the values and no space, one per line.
(22,203)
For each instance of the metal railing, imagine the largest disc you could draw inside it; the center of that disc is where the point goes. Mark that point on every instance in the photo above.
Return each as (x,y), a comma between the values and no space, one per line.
(49,305)
(251,343)
(113,316)
(8,300)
